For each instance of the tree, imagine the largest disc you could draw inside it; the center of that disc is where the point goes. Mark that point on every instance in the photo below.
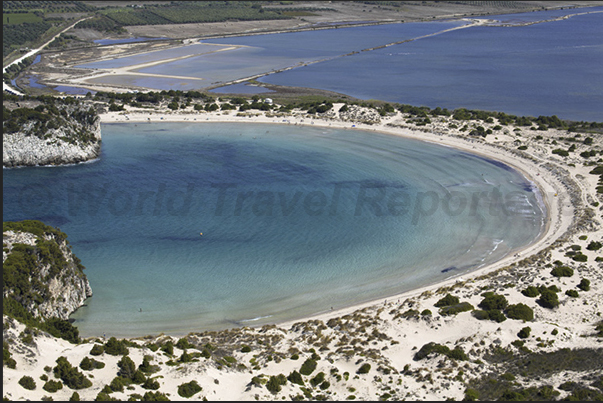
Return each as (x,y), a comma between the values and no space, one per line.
(520,312)
(189,389)
(71,376)
(295,377)
(493,301)
(548,299)
(27,382)
(308,366)
(127,368)
(447,301)
(116,347)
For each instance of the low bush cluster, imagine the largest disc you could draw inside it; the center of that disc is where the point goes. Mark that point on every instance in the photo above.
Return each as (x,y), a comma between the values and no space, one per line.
(189,389)
(454,309)
(447,301)
(456,354)
(308,367)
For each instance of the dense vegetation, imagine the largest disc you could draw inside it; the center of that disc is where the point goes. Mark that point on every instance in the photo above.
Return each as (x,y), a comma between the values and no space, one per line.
(24,286)
(24,23)
(502,384)
(52,113)
(182,12)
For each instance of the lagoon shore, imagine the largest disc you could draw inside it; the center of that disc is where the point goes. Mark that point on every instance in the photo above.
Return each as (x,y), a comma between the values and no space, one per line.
(386,333)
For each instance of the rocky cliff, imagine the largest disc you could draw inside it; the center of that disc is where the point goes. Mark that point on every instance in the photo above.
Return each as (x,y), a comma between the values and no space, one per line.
(40,272)
(50,134)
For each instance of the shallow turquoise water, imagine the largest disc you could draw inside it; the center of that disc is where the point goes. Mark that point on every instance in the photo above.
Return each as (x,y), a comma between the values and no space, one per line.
(295,220)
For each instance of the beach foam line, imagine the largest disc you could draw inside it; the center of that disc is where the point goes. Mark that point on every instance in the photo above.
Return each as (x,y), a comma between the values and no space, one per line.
(255,319)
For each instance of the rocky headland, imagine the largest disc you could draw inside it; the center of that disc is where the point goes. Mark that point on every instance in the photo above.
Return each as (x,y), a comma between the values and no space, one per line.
(49,133)
(41,273)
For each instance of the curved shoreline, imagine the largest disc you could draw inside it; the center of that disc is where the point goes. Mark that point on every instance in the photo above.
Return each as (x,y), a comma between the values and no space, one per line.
(552,229)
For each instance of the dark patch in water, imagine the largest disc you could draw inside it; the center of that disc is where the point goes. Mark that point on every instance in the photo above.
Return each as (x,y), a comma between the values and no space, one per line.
(371,183)
(527,187)
(495,163)
(451,268)
(205,239)
(289,168)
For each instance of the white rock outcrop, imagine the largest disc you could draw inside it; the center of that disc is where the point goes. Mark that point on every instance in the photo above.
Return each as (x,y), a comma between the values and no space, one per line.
(66,290)
(24,149)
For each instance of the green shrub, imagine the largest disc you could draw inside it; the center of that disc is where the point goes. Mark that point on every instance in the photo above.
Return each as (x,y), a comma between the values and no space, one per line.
(127,368)
(548,299)
(507,376)
(27,382)
(97,349)
(70,375)
(245,349)
(471,395)
(183,344)
(52,386)
(447,301)
(275,382)
(524,333)
(572,293)
(457,353)
(189,389)
(584,284)
(520,312)
(364,369)
(104,397)
(75,397)
(155,397)
(318,379)
(562,271)
(117,384)
(480,314)
(168,347)
(88,364)
(116,347)
(146,366)
(150,383)
(426,312)
(295,357)
(531,292)
(496,315)
(553,288)
(493,314)
(454,309)
(594,245)
(295,377)
(308,366)
(185,357)
(579,257)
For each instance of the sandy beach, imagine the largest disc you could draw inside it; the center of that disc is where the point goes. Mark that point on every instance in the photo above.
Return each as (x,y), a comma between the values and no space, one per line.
(386,333)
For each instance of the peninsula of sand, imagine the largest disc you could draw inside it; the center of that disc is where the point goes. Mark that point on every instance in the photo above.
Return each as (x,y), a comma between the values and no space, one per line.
(524,327)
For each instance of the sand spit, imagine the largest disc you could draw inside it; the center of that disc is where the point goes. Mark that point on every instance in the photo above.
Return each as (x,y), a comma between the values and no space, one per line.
(245,363)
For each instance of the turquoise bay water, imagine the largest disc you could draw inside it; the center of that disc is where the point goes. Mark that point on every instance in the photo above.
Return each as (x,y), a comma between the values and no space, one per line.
(295,220)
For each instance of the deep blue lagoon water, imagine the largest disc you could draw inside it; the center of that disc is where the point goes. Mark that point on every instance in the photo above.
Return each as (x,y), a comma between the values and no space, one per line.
(295,220)
(551,68)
